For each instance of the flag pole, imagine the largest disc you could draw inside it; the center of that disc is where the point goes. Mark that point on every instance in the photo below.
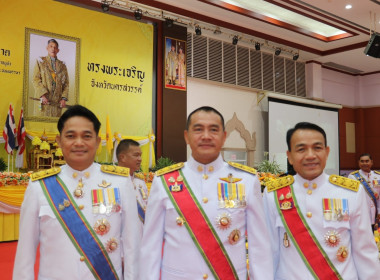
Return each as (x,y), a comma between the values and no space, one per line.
(8,162)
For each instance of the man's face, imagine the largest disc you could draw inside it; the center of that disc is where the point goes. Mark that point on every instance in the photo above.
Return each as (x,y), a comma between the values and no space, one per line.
(79,142)
(365,163)
(205,136)
(131,158)
(52,49)
(308,153)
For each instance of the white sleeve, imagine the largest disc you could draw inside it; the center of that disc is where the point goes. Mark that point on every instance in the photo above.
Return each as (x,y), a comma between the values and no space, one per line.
(270,215)
(29,234)
(153,233)
(131,233)
(364,249)
(259,245)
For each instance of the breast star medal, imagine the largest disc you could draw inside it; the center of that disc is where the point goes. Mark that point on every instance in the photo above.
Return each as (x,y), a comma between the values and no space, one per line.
(102,226)
(332,238)
(112,245)
(223,221)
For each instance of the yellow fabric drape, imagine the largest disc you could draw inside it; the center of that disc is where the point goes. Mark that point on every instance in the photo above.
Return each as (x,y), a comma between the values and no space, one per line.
(12,195)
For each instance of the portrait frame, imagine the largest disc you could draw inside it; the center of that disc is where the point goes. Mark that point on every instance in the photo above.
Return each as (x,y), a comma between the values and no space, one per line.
(175,67)
(36,42)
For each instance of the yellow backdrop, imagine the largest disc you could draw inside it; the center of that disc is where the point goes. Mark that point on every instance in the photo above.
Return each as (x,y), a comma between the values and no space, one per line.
(105,42)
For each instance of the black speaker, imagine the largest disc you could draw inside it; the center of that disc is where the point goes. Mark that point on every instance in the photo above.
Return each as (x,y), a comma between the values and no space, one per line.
(373,46)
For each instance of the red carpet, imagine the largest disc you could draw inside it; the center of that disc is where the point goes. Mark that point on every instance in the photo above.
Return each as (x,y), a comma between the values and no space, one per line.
(7,256)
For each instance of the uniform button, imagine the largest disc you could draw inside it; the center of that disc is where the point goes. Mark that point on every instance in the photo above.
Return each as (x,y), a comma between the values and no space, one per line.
(205,200)
(308,214)
(81,258)
(205,276)
(305,185)
(205,176)
(309,192)
(81,207)
(314,185)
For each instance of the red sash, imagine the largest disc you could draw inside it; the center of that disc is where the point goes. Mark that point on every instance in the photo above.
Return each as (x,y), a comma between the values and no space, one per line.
(199,227)
(311,252)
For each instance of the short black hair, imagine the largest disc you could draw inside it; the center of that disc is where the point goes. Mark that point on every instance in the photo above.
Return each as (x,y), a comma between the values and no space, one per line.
(304,125)
(78,111)
(124,146)
(53,41)
(207,109)
(365,155)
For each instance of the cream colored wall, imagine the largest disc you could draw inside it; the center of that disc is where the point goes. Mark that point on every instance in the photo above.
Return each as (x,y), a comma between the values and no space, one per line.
(229,100)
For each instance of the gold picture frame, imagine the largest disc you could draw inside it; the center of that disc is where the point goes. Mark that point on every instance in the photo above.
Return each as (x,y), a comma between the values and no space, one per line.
(39,75)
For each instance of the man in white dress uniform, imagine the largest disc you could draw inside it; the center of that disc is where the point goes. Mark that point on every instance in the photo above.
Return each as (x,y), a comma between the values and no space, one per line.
(82,215)
(319,224)
(202,210)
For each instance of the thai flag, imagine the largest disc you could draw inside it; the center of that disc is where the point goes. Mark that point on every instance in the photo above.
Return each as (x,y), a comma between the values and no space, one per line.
(21,133)
(9,132)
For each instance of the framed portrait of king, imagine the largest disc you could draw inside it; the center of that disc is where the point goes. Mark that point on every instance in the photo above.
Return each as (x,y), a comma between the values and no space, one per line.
(175,64)
(51,74)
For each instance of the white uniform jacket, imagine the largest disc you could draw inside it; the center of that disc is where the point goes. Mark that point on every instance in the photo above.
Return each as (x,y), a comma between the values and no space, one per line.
(370,178)
(141,192)
(355,234)
(59,259)
(180,258)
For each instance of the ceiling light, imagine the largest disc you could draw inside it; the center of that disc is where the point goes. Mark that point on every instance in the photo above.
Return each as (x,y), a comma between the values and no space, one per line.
(296,56)
(348,6)
(105,6)
(138,14)
(169,22)
(277,51)
(198,30)
(235,40)
(257,46)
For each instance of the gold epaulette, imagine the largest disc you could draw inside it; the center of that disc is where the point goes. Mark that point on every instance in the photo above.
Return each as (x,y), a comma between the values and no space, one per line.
(139,175)
(169,168)
(279,183)
(44,173)
(377,172)
(344,182)
(354,172)
(242,167)
(118,170)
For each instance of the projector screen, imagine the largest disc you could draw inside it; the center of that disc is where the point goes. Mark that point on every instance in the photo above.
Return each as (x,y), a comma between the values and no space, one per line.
(284,114)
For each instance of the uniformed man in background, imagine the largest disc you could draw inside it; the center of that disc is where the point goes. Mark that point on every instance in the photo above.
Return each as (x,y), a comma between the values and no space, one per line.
(128,154)
(319,224)
(82,215)
(202,210)
(370,181)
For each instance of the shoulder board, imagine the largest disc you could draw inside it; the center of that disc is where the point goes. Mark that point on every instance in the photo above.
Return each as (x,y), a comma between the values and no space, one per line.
(117,170)
(44,173)
(242,167)
(354,172)
(279,183)
(344,182)
(169,168)
(377,172)
(140,175)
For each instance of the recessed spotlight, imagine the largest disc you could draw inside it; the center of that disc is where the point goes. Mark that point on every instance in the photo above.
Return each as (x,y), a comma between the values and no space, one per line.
(277,51)
(296,56)
(348,6)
